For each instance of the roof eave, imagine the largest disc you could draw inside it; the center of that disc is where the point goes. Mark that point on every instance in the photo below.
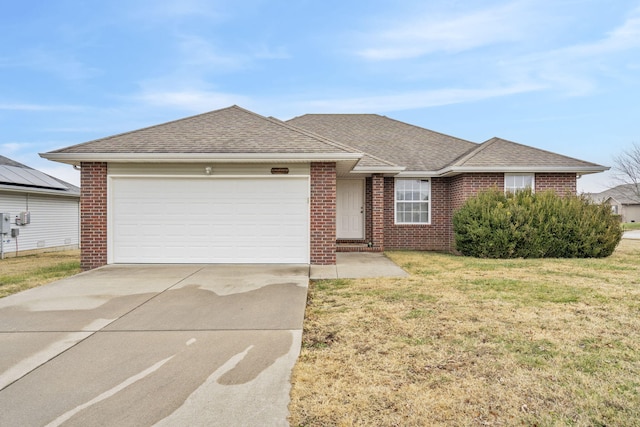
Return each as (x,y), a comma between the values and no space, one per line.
(77,158)
(579,170)
(36,190)
(386,170)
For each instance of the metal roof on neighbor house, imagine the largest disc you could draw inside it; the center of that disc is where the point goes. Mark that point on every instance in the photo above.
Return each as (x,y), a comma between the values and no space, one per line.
(14,175)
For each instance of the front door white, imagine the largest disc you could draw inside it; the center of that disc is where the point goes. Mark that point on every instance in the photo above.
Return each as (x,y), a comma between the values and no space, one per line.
(350,209)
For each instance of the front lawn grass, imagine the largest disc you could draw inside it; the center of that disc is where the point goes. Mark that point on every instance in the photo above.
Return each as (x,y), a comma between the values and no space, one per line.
(628,226)
(24,272)
(467,341)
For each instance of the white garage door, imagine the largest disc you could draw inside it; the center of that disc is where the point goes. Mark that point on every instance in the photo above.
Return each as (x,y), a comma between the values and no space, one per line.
(217,220)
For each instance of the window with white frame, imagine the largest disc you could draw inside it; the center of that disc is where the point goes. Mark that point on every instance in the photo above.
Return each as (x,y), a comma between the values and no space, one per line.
(413,201)
(514,182)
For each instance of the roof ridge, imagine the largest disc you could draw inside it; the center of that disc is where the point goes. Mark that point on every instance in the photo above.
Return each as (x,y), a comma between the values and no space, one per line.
(339,144)
(303,131)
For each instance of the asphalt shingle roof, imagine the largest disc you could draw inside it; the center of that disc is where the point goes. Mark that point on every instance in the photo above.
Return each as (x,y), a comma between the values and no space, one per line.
(229,130)
(626,194)
(416,148)
(498,152)
(379,142)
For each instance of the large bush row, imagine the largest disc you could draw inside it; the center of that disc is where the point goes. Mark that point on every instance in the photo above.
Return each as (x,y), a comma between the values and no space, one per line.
(526,225)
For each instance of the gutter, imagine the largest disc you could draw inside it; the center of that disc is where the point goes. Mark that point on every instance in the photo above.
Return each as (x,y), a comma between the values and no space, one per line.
(75,158)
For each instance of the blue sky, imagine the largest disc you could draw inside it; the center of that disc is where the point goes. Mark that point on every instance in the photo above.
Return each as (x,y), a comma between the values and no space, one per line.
(561,75)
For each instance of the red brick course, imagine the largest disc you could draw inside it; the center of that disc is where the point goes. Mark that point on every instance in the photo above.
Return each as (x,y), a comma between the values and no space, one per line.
(323,213)
(561,183)
(447,195)
(426,237)
(93,215)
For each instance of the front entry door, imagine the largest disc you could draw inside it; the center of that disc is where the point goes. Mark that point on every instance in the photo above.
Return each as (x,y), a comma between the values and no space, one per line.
(350,209)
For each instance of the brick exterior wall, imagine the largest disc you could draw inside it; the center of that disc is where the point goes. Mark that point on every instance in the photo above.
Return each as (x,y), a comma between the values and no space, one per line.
(323,213)
(93,215)
(447,195)
(468,185)
(561,183)
(378,211)
(432,237)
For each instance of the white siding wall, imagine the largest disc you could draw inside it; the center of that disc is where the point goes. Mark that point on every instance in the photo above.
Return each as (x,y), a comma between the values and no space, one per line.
(631,213)
(54,221)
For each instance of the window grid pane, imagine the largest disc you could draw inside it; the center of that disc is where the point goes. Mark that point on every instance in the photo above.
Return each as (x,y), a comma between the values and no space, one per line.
(515,183)
(412,201)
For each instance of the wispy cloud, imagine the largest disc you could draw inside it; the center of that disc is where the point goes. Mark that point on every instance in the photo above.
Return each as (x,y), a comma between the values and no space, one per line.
(577,69)
(413,99)
(18,106)
(431,32)
(9,148)
(192,100)
(162,11)
(198,54)
(62,65)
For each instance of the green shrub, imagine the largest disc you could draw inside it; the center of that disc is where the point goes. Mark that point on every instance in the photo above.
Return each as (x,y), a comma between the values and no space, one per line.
(543,225)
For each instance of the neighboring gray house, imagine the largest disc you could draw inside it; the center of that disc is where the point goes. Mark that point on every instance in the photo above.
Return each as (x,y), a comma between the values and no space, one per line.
(624,200)
(43,212)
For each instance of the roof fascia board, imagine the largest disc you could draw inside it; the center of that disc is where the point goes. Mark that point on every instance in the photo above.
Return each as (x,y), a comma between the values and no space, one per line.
(31,190)
(378,169)
(75,158)
(450,171)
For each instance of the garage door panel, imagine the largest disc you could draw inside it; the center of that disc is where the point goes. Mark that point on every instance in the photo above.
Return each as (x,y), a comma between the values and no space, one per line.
(177,220)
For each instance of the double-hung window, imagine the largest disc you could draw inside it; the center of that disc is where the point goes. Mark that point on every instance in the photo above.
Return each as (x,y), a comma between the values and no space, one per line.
(514,182)
(413,201)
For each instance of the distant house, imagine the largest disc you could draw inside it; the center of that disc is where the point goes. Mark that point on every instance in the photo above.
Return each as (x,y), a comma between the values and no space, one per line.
(232,186)
(624,200)
(39,212)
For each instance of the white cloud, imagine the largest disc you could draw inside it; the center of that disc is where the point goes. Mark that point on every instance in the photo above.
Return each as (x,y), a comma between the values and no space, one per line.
(199,52)
(14,147)
(433,32)
(192,100)
(576,69)
(36,107)
(58,63)
(413,99)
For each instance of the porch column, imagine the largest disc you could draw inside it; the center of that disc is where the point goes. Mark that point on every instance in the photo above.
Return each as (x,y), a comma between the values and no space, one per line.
(377,210)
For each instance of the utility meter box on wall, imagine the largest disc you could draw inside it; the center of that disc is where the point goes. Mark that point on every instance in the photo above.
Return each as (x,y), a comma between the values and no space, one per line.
(23,218)
(5,223)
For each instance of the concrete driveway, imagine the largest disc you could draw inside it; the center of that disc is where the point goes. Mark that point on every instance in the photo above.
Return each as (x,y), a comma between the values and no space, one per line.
(153,345)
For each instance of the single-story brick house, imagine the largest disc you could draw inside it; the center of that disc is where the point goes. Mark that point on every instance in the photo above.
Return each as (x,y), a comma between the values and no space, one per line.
(40,212)
(232,186)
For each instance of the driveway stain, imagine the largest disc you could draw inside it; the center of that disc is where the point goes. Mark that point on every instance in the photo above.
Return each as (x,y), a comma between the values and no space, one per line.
(142,358)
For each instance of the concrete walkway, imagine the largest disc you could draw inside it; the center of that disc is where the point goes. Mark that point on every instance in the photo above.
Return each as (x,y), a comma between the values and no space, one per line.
(153,345)
(357,265)
(633,234)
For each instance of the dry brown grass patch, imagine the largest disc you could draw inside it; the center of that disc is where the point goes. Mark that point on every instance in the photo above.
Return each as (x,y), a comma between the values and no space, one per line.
(21,273)
(464,341)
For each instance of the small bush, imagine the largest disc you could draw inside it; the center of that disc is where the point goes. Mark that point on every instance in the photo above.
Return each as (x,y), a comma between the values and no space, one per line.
(542,225)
